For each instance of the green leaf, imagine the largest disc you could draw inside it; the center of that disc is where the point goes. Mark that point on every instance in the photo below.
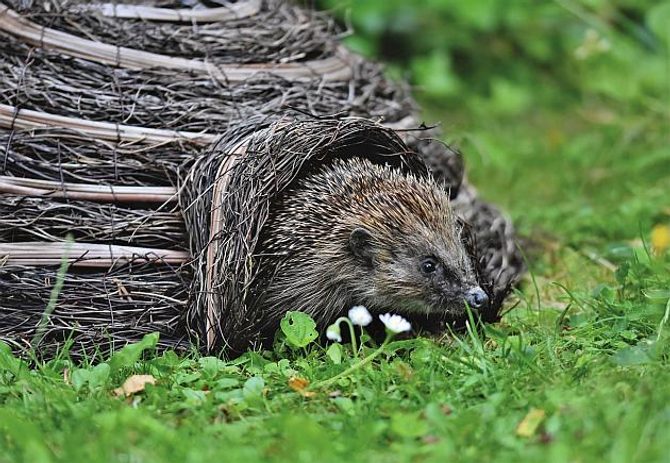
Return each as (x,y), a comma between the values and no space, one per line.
(95,378)
(131,353)
(79,378)
(227,383)
(658,296)
(253,388)
(182,378)
(299,329)
(334,353)
(8,362)
(641,354)
(99,376)
(194,397)
(211,366)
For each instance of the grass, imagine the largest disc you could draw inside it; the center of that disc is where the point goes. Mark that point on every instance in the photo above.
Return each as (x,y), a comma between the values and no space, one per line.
(577,371)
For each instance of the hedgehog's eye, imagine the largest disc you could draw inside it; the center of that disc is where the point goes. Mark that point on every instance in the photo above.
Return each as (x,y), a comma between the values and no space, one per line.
(428,265)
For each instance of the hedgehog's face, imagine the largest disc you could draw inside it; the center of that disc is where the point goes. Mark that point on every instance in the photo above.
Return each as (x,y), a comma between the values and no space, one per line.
(418,275)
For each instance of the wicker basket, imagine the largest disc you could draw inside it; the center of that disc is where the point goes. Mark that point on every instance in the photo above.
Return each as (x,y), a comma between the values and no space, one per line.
(156,137)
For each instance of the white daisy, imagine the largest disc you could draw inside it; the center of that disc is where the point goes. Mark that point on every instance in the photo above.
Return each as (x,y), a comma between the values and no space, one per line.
(359,315)
(333,333)
(395,323)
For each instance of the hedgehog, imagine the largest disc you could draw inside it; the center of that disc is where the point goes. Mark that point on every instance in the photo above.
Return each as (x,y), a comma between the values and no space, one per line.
(359,233)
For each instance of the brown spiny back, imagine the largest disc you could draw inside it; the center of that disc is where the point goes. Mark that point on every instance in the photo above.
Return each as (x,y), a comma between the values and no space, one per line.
(305,252)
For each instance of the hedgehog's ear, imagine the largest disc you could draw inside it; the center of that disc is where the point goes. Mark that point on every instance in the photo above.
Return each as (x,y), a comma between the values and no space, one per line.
(360,242)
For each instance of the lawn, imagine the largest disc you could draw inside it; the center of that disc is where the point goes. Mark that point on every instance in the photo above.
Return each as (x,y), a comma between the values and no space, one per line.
(575,146)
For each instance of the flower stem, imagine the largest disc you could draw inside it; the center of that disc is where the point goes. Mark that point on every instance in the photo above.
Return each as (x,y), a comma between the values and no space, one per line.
(354,343)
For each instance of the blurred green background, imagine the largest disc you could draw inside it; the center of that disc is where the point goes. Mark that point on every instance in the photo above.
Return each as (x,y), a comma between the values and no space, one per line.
(562,108)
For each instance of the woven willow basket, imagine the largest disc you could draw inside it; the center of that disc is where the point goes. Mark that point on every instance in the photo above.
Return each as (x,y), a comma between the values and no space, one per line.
(141,147)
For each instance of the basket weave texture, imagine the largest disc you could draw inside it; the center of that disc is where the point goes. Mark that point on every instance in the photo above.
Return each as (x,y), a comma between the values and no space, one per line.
(157,136)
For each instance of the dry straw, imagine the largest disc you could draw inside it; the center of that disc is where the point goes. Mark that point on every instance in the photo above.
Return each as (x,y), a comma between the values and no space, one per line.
(337,66)
(50,220)
(49,82)
(250,32)
(74,156)
(103,309)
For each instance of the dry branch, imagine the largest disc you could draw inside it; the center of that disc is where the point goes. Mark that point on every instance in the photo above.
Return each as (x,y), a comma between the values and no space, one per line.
(15,118)
(95,255)
(89,192)
(239,10)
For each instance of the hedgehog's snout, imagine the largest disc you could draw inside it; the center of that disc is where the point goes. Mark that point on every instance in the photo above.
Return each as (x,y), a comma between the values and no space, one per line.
(476,298)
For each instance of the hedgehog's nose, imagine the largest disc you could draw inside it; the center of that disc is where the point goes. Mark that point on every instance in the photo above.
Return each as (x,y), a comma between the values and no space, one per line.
(476,298)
